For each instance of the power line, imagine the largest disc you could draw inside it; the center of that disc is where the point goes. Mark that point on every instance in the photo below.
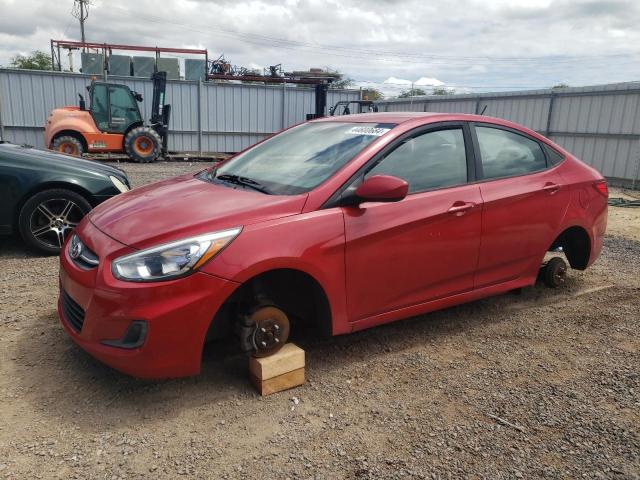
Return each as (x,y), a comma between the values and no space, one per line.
(64,34)
(350,52)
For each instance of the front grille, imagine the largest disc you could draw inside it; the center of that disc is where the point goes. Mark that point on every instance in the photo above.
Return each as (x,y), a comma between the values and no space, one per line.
(73,313)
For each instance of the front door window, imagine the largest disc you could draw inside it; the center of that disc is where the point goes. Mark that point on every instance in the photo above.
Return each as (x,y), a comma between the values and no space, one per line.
(99,104)
(428,161)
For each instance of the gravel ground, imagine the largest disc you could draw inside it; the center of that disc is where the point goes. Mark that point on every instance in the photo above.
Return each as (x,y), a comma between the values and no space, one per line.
(544,384)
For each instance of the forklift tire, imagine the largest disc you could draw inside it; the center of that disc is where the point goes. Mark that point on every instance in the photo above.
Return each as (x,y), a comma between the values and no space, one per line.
(143,144)
(555,272)
(68,145)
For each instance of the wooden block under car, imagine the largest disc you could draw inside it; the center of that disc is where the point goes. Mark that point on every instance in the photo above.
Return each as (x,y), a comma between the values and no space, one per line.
(281,371)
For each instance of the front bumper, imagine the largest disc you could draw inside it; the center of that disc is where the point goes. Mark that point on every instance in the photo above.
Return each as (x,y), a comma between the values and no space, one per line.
(177,312)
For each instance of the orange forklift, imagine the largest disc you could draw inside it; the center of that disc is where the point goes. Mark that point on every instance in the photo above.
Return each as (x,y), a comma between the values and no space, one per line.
(113,123)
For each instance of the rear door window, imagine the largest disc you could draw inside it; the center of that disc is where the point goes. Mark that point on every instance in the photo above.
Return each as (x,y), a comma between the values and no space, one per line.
(432,160)
(506,154)
(554,157)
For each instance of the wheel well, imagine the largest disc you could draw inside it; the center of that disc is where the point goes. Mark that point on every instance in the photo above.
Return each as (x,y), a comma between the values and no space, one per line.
(49,186)
(576,244)
(132,126)
(297,293)
(74,134)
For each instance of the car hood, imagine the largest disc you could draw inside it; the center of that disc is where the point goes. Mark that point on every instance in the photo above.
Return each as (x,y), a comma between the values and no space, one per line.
(56,161)
(185,206)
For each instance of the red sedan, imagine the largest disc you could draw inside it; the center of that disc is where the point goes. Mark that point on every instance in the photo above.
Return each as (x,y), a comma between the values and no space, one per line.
(345,223)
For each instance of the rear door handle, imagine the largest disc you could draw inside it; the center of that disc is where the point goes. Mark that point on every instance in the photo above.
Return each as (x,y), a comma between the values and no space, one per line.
(460,208)
(551,188)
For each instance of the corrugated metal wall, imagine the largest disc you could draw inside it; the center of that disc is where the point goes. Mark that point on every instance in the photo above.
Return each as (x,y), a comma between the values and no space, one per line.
(211,117)
(599,124)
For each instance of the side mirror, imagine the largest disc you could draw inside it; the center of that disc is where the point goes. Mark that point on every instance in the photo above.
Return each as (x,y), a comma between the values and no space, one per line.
(382,188)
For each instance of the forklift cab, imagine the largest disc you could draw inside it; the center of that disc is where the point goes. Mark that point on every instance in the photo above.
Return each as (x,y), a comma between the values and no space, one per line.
(114,107)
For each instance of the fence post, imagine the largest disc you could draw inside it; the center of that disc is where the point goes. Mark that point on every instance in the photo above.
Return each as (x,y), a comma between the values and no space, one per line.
(1,124)
(284,94)
(547,130)
(200,117)
(636,177)
(411,98)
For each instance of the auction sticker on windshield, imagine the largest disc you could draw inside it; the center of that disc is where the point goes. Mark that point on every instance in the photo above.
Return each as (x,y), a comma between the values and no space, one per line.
(375,131)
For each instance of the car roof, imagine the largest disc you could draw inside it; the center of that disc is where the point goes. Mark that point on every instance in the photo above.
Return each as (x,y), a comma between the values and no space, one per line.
(381,117)
(420,118)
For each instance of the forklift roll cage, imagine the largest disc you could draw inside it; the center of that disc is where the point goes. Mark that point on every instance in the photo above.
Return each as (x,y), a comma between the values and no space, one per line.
(102,111)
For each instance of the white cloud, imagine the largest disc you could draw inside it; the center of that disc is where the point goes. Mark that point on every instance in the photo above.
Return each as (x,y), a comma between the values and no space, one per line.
(393,86)
(397,81)
(428,82)
(467,44)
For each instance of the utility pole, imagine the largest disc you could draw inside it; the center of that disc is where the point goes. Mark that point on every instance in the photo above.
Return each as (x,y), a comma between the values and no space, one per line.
(81,12)
(82,19)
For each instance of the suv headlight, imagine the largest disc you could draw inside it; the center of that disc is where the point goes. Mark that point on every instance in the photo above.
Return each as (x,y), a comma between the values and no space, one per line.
(172,260)
(119,184)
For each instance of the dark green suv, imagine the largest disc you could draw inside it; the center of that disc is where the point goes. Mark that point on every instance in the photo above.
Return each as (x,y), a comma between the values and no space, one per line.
(43,195)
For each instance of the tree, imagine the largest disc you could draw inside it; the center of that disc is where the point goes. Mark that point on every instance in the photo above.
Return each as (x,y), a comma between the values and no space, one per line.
(412,92)
(443,91)
(372,94)
(342,80)
(561,85)
(37,60)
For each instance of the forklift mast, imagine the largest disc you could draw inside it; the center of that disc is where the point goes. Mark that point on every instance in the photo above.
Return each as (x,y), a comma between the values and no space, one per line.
(321,98)
(321,101)
(159,90)
(160,113)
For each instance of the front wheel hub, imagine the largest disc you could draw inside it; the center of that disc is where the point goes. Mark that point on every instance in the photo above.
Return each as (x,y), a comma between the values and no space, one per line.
(560,275)
(271,330)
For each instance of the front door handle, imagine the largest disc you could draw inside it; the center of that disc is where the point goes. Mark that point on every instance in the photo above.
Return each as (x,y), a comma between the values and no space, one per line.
(460,208)
(551,188)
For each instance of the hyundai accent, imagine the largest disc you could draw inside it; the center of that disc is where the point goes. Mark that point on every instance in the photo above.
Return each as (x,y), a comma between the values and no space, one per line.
(343,223)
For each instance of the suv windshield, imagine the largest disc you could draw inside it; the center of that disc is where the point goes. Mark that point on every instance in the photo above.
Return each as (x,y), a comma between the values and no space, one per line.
(299,159)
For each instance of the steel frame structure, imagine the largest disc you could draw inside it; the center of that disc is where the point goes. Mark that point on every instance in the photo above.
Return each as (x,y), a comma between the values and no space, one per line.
(107,48)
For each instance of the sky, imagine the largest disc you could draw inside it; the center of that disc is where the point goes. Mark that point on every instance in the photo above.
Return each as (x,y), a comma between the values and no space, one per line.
(467,45)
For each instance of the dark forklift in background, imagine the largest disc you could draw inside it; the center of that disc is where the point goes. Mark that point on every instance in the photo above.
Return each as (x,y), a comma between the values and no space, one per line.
(113,123)
(364,106)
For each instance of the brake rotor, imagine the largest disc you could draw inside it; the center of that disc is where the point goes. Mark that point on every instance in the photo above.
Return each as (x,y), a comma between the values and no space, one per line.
(271,330)
(560,274)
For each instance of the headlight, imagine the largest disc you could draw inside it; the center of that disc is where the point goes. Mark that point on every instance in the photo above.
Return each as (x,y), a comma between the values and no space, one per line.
(118,184)
(172,259)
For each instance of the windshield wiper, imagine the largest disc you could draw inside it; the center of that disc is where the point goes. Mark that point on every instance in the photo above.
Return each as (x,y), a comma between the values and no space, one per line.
(244,181)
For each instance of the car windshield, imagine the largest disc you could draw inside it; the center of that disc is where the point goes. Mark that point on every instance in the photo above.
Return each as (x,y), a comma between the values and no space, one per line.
(298,159)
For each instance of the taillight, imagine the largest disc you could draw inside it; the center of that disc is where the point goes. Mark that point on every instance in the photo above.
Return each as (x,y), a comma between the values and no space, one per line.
(601,186)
